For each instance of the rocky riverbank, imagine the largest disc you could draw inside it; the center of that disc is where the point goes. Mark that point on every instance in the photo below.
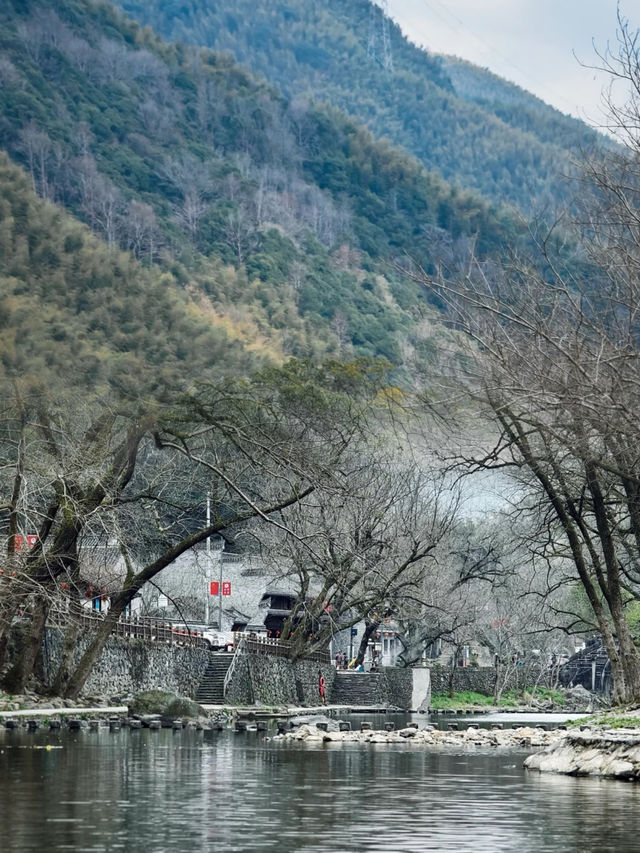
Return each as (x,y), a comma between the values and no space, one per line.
(608,753)
(162,707)
(522,737)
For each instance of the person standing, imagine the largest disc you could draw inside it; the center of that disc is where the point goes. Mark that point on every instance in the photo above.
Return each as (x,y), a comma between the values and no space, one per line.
(321,686)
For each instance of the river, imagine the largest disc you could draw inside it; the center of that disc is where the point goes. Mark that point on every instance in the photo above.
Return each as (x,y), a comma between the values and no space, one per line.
(195,792)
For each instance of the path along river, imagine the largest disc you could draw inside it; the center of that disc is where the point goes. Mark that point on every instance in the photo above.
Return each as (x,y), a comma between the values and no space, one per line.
(195,792)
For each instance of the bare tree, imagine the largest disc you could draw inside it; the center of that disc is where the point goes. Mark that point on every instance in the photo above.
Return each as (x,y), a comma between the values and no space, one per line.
(359,547)
(554,363)
(256,446)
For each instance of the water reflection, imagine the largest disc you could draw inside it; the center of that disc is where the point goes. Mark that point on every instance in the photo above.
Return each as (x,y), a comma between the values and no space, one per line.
(188,791)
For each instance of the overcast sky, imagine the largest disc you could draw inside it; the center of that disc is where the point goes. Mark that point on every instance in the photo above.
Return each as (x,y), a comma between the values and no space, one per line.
(530,42)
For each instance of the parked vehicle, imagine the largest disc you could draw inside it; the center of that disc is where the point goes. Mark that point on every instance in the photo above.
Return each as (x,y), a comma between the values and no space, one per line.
(219,641)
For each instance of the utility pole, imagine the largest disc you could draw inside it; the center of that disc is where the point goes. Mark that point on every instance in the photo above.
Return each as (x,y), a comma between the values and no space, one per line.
(220,586)
(208,565)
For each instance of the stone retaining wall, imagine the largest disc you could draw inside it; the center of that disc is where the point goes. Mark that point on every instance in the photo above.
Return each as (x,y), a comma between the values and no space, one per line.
(480,679)
(129,666)
(269,680)
(397,687)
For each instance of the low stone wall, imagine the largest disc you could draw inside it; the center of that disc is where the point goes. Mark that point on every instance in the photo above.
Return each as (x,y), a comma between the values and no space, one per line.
(265,679)
(270,680)
(480,679)
(397,688)
(130,666)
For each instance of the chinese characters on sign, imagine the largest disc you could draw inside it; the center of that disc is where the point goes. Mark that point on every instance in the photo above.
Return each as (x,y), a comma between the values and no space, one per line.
(214,588)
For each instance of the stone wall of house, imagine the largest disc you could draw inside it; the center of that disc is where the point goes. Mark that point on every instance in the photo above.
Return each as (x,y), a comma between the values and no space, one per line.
(130,666)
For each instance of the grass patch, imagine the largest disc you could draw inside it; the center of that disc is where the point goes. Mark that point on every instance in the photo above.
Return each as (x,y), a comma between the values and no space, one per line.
(441,701)
(540,694)
(607,721)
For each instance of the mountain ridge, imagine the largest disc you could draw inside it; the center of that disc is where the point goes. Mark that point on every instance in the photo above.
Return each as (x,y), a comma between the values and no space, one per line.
(507,153)
(278,217)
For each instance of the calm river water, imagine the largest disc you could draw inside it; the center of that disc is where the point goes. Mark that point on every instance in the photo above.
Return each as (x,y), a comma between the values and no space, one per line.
(194,792)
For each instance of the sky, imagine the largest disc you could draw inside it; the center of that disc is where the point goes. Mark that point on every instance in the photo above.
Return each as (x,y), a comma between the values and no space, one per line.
(530,42)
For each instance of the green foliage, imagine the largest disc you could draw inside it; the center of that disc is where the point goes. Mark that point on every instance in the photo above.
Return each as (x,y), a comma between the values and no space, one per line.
(283,222)
(544,694)
(509,699)
(476,130)
(463,699)
(181,706)
(73,310)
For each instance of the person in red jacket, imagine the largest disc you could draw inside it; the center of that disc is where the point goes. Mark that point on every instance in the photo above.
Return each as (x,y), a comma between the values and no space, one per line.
(321,685)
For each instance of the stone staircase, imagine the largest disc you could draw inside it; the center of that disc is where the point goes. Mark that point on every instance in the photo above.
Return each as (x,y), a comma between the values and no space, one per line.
(211,689)
(579,668)
(355,688)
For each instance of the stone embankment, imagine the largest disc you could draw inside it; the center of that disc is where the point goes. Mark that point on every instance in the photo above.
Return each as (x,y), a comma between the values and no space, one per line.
(524,737)
(609,753)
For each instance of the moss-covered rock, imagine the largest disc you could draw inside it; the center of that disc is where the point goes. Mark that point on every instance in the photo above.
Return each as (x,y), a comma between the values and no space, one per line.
(180,706)
(166,704)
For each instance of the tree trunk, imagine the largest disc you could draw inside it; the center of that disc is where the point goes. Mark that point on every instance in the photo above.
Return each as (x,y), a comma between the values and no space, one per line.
(452,673)
(77,680)
(369,630)
(61,681)
(16,679)
(496,684)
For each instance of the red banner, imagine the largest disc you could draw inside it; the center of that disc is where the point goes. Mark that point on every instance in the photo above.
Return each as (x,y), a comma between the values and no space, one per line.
(214,588)
(226,587)
(24,543)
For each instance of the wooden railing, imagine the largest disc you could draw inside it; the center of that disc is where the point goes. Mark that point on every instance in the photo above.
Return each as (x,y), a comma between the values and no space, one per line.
(279,648)
(136,628)
(155,631)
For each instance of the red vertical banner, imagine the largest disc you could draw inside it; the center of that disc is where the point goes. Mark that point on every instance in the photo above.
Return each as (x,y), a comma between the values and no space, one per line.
(24,543)
(226,587)
(214,588)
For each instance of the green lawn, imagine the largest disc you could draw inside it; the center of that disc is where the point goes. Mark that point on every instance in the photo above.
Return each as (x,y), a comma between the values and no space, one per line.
(441,701)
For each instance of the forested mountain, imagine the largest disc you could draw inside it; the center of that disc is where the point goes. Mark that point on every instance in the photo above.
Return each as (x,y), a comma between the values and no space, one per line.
(511,149)
(517,107)
(281,219)
(78,315)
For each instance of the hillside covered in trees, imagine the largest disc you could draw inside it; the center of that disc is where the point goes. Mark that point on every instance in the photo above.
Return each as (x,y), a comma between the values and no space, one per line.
(75,314)
(283,220)
(476,130)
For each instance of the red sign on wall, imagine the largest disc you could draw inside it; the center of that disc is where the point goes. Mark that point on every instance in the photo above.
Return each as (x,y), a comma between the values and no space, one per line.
(226,587)
(214,588)
(23,543)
